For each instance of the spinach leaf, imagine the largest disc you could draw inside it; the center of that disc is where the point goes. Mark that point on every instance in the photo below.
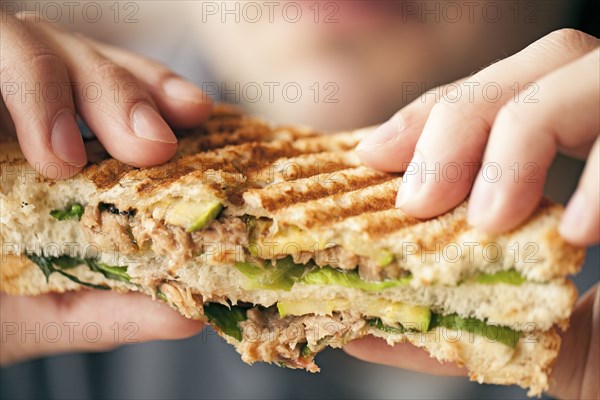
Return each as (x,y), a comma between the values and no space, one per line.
(110,272)
(377,323)
(227,320)
(74,211)
(162,296)
(66,262)
(496,333)
(47,266)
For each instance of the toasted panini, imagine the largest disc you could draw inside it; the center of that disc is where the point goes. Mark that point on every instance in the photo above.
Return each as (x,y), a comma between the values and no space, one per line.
(252,226)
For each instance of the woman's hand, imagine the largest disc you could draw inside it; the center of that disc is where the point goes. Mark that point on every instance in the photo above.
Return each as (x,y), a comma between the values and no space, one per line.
(507,122)
(511,117)
(49,75)
(88,320)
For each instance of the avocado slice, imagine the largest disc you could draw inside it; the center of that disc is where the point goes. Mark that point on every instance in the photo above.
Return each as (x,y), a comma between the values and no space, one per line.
(384,258)
(288,239)
(410,317)
(350,279)
(191,215)
(317,307)
(496,333)
(511,277)
(282,276)
(285,273)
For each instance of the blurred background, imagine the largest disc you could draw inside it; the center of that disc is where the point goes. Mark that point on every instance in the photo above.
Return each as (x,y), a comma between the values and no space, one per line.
(330,64)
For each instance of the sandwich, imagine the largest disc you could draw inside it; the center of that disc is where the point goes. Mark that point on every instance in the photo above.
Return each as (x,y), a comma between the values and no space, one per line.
(285,243)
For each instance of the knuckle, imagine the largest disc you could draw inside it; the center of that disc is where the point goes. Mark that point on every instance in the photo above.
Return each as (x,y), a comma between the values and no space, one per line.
(43,59)
(28,16)
(511,115)
(121,85)
(572,39)
(446,106)
(105,69)
(33,17)
(36,57)
(162,76)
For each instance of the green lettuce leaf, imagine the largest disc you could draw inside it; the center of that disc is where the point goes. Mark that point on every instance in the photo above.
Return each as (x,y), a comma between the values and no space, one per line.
(111,272)
(376,323)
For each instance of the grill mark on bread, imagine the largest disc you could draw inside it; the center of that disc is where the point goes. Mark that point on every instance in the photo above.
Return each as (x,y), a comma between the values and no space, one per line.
(233,135)
(232,143)
(306,165)
(107,173)
(284,194)
(338,207)
(240,159)
(384,222)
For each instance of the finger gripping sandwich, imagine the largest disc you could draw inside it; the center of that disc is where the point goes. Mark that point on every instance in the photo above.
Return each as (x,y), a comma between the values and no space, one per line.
(286,243)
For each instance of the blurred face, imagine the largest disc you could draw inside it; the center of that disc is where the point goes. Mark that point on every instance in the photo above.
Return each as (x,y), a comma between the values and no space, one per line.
(344,64)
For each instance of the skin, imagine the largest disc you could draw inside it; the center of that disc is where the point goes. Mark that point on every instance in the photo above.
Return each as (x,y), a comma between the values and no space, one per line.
(109,313)
(503,132)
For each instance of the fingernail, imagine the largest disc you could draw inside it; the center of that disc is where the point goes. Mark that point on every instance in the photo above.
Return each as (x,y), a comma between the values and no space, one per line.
(412,181)
(481,204)
(148,124)
(575,216)
(383,135)
(66,141)
(181,89)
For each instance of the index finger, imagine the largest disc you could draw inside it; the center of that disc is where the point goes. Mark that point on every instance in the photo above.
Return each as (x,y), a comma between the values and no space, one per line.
(524,141)
(46,128)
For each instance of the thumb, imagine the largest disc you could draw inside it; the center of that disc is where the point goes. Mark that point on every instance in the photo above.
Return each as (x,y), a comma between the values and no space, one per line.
(84,321)
(575,374)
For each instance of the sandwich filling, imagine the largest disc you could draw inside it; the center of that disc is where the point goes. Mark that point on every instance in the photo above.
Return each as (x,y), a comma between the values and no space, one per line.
(270,258)
(184,231)
(190,238)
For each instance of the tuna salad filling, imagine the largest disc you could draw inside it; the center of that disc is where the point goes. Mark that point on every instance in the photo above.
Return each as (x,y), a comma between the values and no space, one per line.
(289,332)
(293,340)
(182,235)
